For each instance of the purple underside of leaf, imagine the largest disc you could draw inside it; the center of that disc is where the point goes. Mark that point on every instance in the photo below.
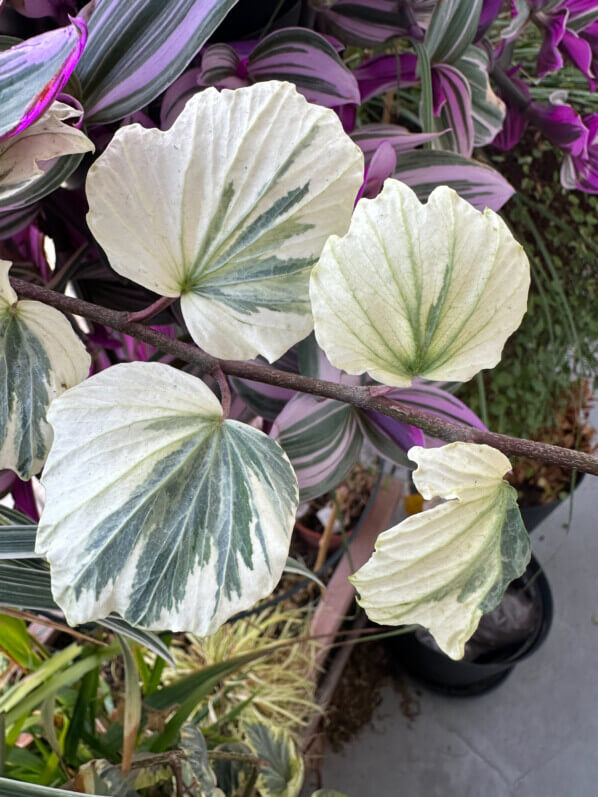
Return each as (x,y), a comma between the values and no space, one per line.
(549,57)
(382,164)
(562,126)
(386,73)
(582,172)
(437,402)
(33,73)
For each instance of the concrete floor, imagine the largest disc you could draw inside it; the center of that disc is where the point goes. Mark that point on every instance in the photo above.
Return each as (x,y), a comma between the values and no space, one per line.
(536,735)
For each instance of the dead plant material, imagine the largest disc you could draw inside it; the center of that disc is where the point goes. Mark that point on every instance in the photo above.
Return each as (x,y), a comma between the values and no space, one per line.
(542,483)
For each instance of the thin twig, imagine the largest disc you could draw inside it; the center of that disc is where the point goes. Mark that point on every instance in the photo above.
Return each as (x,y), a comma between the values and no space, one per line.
(358,396)
(151,310)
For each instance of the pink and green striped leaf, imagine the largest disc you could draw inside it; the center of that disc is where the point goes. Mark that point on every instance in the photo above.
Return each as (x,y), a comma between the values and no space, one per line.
(297,55)
(137,48)
(479,184)
(487,109)
(452,29)
(363,22)
(323,440)
(452,102)
(437,402)
(308,60)
(33,72)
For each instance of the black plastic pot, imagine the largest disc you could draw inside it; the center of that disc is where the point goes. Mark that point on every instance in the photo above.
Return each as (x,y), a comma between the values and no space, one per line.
(534,515)
(467,678)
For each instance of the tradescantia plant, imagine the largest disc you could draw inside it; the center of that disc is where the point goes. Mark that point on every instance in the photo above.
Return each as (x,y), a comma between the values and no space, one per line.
(181,517)
(253,278)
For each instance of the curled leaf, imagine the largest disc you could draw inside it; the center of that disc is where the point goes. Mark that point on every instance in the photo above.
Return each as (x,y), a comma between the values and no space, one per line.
(22,157)
(445,567)
(33,73)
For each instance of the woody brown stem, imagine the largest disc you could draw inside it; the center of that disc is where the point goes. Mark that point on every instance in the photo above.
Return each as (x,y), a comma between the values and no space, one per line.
(359,396)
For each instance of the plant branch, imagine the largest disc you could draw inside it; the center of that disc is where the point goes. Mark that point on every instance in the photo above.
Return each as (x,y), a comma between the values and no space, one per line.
(359,396)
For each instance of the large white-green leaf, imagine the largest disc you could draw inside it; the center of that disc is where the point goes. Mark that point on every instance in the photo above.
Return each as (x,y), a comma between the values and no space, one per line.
(229,209)
(282,772)
(47,138)
(419,290)
(40,357)
(445,567)
(179,518)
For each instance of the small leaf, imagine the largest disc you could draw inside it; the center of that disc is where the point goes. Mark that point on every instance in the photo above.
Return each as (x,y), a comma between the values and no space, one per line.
(22,157)
(180,518)
(137,48)
(323,440)
(33,73)
(455,114)
(419,290)
(445,567)
(488,110)
(198,775)
(271,190)
(282,775)
(40,357)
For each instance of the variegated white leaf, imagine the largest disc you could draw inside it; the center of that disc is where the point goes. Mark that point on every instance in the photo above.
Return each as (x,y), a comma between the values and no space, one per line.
(229,209)
(40,357)
(180,518)
(49,137)
(445,567)
(282,772)
(419,290)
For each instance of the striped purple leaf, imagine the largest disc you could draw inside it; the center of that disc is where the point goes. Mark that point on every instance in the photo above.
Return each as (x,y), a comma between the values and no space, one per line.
(369,137)
(452,29)
(34,72)
(474,181)
(298,55)
(437,402)
(381,144)
(368,22)
(452,104)
(487,109)
(323,440)
(137,48)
